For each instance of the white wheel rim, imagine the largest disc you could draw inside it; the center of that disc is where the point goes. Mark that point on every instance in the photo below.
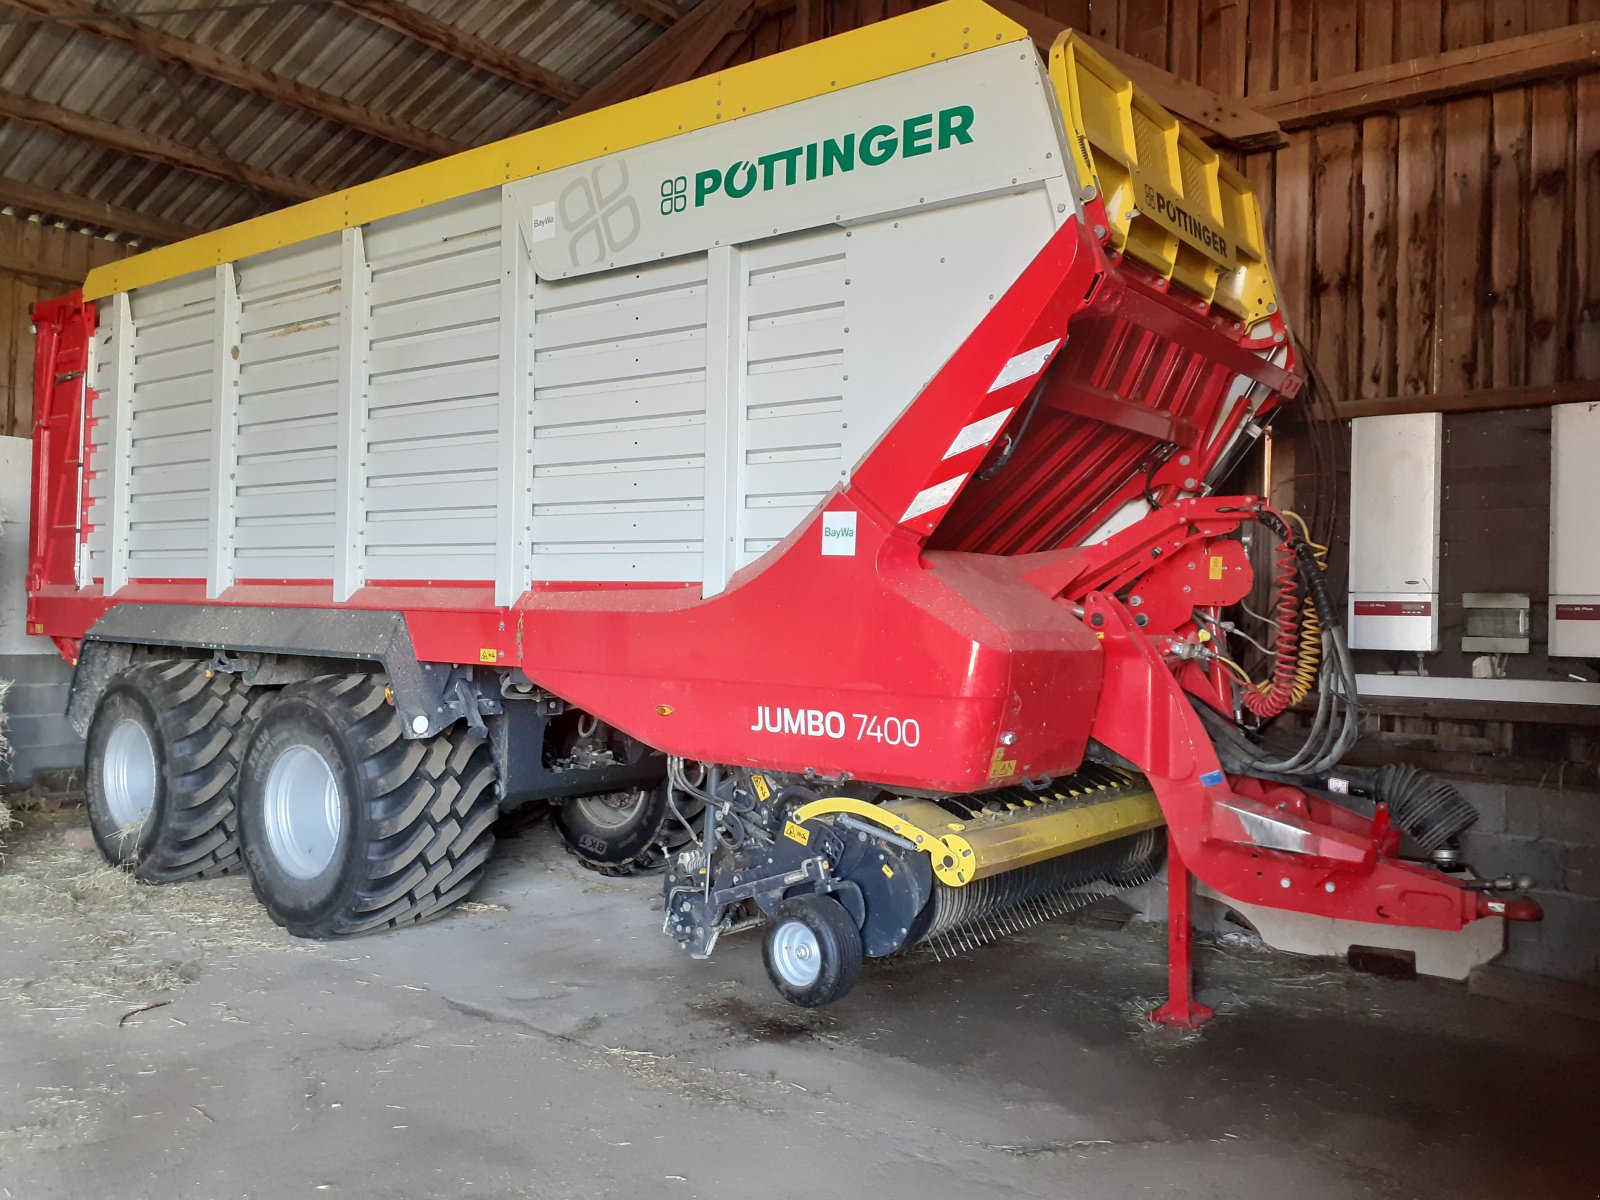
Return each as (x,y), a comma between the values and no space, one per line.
(796,954)
(303,810)
(128,774)
(614,810)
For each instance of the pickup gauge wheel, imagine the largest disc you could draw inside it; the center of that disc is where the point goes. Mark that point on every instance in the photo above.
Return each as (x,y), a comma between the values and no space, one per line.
(350,828)
(163,753)
(812,950)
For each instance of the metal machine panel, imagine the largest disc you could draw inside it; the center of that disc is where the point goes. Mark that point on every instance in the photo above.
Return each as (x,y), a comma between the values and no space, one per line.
(1395,481)
(170,433)
(976,124)
(1575,531)
(288,405)
(791,408)
(619,416)
(430,436)
(100,426)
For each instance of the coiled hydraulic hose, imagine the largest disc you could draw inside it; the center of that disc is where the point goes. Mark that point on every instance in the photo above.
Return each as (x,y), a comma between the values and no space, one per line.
(1336,724)
(1267,700)
(1309,661)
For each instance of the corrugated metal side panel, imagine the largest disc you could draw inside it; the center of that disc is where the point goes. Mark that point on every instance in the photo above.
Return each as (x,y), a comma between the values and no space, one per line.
(175,329)
(432,425)
(791,448)
(619,415)
(288,406)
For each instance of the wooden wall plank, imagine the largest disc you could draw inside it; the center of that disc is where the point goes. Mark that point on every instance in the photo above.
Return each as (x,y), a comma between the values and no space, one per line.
(1463,234)
(1183,39)
(1105,20)
(1291,201)
(1463,268)
(1586,338)
(1222,46)
(1261,48)
(1072,13)
(1418,31)
(1548,220)
(1507,297)
(1375,371)
(1144,30)
(11,305)
(1336,213)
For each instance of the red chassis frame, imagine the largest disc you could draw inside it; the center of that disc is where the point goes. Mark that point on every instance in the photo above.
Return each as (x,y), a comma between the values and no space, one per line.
(948,662)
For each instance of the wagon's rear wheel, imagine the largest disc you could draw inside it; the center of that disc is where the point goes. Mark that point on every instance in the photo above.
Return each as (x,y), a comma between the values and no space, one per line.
(350,828)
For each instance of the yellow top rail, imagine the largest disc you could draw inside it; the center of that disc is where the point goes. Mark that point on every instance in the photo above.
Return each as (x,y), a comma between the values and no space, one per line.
(1172,204)
(942,31)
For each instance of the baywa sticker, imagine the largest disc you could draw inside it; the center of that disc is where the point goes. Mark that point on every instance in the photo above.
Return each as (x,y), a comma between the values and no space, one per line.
(927,133)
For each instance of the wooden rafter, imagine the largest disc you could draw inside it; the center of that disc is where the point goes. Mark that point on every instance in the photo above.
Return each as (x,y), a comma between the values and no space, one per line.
(646,70)
(229,69)
(1553,54)
(689,55)
(1233,122)
(92,212)
(1483,400)
(467,47)
(156,149)
(658,11)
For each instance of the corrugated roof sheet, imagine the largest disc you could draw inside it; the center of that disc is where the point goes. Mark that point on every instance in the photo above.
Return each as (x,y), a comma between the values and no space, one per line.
(316,43)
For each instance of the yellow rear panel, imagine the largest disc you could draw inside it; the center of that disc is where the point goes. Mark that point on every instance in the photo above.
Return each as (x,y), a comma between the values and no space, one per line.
(1172,204)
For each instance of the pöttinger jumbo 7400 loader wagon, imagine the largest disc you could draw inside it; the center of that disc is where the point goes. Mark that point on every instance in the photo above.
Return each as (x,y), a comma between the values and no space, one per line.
(801,478)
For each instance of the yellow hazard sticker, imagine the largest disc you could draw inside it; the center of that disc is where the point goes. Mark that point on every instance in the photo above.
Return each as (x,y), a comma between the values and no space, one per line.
(1216,566)
(888,871)
(488,655)
(762,787)
(1001,767)
(797,833)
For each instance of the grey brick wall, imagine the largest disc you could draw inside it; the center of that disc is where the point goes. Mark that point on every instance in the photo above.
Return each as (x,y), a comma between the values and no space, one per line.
(1553,834)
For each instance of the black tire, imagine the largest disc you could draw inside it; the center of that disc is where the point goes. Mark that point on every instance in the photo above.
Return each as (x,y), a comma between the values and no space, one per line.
(833,939)
(415,819)
(194,723)
(626,833)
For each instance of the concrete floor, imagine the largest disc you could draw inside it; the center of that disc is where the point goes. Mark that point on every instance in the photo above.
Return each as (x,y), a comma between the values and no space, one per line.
(550,1042)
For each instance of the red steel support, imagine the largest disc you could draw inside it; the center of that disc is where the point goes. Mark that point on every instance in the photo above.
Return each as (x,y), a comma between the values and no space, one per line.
(1182,1010)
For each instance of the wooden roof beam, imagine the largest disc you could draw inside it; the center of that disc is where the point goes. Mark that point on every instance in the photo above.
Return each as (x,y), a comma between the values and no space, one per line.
(648,69)
(689,55)
(156,149)
(97,213)
(1541,395)
(235,72)
(466,47)
(658,11)
(1231,121)
(1537,57)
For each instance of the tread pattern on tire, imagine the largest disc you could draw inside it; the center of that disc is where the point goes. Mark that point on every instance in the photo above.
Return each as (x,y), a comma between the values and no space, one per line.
(433,804)
(204,718)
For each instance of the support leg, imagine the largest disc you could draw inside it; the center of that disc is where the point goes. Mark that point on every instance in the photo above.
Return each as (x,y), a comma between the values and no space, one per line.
(1182,1010)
